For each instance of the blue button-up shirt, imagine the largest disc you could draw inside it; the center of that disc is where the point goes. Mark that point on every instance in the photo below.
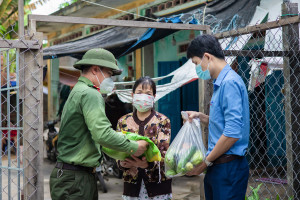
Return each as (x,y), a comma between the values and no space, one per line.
(229,112)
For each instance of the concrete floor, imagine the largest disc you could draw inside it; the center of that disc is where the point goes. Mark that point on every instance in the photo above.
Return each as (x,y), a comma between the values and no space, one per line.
(184,188)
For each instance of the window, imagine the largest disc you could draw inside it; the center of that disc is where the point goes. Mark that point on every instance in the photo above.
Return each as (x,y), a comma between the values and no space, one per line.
(183,48)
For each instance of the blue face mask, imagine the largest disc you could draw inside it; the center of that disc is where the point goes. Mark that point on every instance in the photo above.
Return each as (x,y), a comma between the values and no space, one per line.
(205,75)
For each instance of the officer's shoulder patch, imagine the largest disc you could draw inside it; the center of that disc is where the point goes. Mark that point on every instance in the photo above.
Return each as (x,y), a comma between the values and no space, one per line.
(94,86)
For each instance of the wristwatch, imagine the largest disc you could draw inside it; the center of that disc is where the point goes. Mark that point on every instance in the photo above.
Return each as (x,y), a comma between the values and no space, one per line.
(208,164)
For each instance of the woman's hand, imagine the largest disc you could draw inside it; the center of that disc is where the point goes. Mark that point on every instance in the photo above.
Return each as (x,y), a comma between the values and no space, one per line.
(136,162)
(125,164)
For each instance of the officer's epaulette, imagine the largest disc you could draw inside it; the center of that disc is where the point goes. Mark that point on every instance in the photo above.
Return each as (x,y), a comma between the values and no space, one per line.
(94,86)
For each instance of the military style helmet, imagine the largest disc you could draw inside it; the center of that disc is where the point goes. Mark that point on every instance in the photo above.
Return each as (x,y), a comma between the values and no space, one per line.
(99,57)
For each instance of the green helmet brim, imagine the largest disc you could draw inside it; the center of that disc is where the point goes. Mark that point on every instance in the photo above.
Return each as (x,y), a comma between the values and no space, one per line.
(98,62)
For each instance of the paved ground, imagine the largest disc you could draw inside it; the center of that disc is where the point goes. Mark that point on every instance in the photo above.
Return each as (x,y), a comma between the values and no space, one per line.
(184,188)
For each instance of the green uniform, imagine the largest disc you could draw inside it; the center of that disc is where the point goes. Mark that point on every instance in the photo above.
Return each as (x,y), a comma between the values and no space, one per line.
(73,185)
(84,127)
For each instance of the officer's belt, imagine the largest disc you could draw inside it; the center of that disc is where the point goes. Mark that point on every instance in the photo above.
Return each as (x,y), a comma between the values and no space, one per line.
(67,166)
(225,158)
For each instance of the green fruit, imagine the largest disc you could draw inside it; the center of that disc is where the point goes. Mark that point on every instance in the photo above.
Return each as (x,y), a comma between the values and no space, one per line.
(181,171)
(170,159)
(189,166)
(170,173)
(197,158)
(186,158)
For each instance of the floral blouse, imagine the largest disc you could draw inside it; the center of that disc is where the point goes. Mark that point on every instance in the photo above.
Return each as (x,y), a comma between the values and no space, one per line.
(158,128)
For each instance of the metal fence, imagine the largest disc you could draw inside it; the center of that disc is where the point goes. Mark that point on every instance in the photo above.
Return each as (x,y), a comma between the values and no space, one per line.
(267,58)
(21,116)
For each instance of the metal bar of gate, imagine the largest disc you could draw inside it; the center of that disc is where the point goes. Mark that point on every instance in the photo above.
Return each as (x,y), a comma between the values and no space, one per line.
(8,123)
(9,88)
(11,168)
(15,128)
(9,128)
(18,125)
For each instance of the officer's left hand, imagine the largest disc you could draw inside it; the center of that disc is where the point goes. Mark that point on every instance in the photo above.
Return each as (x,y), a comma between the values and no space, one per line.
(141,163)
(197,169)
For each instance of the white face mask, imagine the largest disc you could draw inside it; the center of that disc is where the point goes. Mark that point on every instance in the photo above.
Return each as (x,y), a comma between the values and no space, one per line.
(143,102)
(107,84)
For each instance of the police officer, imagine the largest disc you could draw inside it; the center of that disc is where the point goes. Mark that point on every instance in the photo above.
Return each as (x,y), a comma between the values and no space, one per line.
(85,128)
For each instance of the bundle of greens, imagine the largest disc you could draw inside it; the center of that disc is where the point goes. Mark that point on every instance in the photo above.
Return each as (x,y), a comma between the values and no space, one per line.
(152,153)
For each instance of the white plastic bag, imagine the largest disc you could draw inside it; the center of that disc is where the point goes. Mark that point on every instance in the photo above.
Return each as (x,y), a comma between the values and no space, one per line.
(187,149)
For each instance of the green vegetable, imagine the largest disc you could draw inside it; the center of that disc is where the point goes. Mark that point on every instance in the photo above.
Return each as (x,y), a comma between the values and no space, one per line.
(152,153)
(189,166)
(197,158)
(180,168)
(170,173)
(170,159)
(182,162)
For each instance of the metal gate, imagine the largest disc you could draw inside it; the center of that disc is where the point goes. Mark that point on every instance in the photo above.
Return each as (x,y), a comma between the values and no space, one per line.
(21,117)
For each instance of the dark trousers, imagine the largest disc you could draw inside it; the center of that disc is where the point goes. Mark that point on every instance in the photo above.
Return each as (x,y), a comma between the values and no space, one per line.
(227,181)
(73,185)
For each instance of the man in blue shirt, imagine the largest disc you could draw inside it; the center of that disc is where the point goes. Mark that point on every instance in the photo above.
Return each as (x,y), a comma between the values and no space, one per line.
(228,122)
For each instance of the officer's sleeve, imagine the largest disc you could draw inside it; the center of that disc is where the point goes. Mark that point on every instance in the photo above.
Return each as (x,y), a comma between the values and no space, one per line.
(93,109)
(233,109)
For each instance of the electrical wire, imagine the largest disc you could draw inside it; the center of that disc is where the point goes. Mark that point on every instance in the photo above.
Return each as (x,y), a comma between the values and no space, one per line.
(98,4)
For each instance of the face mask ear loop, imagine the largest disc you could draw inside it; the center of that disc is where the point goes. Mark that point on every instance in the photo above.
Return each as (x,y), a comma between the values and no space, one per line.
(207,63)
(201,62)
(98,80)
(102,73)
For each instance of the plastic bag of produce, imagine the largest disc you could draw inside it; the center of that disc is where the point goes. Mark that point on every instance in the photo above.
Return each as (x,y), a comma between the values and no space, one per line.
(152,153)
(187,149)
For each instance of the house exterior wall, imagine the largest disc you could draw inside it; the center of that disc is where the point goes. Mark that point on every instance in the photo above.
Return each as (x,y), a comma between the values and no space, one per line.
(167,49)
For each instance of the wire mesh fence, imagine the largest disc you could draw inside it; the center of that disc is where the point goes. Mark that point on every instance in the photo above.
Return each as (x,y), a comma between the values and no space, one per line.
(20,104)
(267,58)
